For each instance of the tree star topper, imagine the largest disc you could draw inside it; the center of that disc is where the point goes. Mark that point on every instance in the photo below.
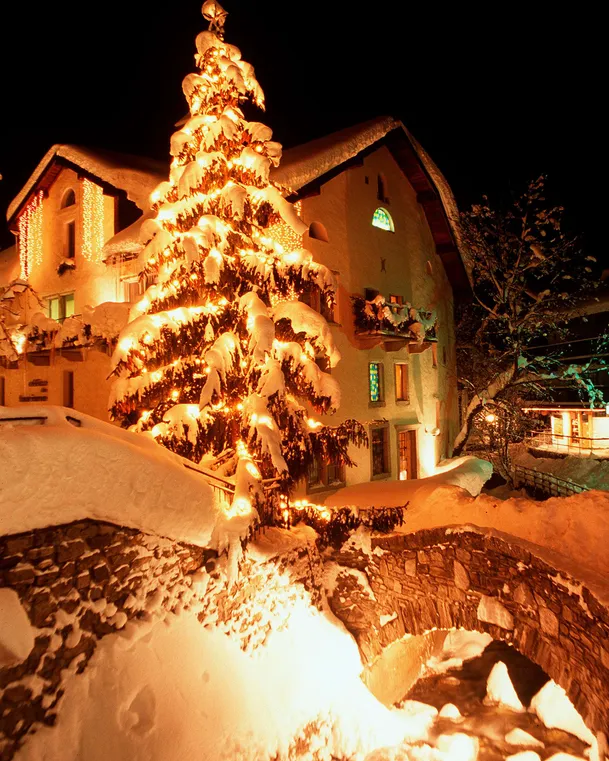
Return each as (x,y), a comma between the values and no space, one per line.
(216,15)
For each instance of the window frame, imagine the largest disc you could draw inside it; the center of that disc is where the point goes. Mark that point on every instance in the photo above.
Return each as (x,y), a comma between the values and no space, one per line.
(70,239)
(386,473)
(61,299)
(380,402)
(376,217)
(323,484)
(401,399)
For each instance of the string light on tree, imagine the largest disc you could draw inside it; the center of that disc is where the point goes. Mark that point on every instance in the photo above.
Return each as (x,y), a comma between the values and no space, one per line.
(217,360)
(92,220)
(30,235)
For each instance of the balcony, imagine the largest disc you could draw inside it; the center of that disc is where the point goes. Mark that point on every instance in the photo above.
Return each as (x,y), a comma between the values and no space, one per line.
(393,326)
(558,445)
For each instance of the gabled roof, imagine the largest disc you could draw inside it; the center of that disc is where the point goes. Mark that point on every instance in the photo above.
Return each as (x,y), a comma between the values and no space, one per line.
(303,169)
(308,166)
(135,175)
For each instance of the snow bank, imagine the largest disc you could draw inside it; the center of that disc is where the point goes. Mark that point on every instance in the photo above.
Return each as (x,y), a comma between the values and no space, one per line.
(460,645)
(556,711)
(469,473)
(500,690)
(16,633)
(57,473)
(181,690)
(555,530)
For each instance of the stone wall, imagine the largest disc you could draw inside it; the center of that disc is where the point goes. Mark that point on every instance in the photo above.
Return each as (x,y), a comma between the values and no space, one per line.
(441,578)
(81,582)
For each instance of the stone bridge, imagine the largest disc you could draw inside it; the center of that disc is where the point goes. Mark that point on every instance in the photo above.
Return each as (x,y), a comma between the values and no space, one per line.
(446,578)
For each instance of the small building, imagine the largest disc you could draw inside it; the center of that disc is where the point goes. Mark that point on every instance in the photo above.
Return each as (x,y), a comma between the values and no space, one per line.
(379,214)
(568,424)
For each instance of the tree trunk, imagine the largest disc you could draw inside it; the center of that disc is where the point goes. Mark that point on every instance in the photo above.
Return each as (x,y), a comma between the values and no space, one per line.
(477,403)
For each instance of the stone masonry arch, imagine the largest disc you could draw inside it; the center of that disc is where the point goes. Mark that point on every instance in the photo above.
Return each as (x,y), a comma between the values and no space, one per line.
(463,577)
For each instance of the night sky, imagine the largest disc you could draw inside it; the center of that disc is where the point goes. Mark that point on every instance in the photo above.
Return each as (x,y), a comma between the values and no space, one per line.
(496,96)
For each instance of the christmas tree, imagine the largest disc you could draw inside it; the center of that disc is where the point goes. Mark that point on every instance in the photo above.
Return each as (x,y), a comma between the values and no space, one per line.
(220,360)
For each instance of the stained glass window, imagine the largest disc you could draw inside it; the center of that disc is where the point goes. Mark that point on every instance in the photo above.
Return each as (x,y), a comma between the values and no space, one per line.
(375,382)
(382,219)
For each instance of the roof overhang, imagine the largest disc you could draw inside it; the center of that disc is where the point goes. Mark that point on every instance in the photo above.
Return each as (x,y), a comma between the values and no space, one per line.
(305,171)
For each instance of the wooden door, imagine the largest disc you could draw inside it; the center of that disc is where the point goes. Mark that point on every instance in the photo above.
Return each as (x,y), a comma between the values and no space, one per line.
(407,453)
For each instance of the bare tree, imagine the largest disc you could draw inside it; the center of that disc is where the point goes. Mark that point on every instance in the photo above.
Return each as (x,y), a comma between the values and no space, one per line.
(529,280)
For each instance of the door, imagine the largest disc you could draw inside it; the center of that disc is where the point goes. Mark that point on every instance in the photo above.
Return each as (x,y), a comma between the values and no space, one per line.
(407,453)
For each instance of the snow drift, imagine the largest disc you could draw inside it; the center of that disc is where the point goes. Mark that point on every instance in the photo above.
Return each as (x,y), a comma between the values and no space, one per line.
(58,472)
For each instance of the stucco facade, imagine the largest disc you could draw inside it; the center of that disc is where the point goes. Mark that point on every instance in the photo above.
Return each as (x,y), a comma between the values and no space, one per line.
(414,425)
(402,263)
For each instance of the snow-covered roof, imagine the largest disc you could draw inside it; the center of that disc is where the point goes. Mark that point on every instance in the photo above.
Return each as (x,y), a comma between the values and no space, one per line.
(136,175)
(306,163)
(126,241)
(9,266)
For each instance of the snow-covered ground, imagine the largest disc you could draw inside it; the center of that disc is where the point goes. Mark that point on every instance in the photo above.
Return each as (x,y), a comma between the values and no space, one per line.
(469,473)
(177,689)
(55,472)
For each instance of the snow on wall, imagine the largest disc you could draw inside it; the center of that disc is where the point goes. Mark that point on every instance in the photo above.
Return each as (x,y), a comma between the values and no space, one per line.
(57,473)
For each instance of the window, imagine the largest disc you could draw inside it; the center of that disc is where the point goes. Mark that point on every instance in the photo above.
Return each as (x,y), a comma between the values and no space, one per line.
(379,450)
(133,289)
(68,388)
(325,475)
(70,240)
(375,383)
(69,199)
(61,307)
(393,299)
(401,382)
(316,300)
(382,189)
(370,294)
(318,232)
(382,219)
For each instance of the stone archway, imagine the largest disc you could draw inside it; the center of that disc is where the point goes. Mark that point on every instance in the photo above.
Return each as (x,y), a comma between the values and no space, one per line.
(463,577)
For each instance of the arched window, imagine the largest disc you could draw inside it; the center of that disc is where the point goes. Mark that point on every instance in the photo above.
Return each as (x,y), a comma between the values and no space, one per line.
(69,199)
(318,231)
(382,219)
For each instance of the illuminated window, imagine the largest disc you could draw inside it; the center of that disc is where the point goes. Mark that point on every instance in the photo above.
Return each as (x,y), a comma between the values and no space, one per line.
(401,382)
(61,307)
(393,299)
(379,451)
(382,219)
(69,199)
(375,383)
(133,289)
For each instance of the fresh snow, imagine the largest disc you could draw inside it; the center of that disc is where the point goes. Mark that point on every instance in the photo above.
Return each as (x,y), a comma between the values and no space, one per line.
(459,645)
(500,690)
(469,473)
(556,711)
(181,690)
(16,633)
(518,736)
(58,473)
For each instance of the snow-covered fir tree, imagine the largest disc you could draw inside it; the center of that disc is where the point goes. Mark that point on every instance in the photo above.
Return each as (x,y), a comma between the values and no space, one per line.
(218,361)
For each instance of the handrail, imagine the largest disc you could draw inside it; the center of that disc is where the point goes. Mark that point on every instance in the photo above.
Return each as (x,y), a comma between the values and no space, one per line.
(547,483)
(533,434)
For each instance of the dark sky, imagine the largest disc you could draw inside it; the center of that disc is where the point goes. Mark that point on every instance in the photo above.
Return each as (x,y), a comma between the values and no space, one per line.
(496,94)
